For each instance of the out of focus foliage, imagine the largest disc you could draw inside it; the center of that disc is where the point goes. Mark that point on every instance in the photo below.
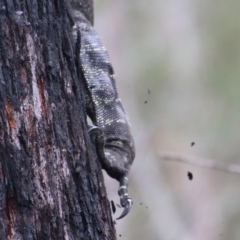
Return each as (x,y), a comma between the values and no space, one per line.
(178,69)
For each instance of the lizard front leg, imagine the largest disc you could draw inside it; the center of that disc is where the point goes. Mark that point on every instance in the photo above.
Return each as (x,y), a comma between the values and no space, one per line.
(111,164)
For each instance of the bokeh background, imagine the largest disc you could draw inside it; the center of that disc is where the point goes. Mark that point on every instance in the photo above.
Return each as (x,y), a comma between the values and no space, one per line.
(178,74)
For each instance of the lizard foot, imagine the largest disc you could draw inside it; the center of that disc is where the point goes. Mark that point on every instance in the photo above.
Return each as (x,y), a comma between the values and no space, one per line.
(112,169)
(126,203)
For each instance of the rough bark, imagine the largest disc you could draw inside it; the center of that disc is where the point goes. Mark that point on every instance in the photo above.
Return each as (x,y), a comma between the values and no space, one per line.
(51,184)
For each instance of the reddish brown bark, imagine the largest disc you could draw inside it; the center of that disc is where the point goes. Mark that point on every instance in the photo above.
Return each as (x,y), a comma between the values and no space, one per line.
(51,184)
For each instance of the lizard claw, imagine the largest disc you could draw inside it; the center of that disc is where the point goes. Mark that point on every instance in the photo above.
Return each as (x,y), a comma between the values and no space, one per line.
(127,203)
(95,131)
(125,200)
(98,137)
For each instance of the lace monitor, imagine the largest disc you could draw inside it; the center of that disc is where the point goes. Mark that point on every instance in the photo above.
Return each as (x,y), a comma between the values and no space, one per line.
(111,130)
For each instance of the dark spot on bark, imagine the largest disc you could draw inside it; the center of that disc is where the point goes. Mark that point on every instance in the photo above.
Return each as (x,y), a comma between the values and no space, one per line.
(54,108)
(113,207)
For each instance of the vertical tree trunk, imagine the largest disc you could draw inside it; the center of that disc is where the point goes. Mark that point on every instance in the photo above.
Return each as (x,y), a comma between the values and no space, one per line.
(51,184)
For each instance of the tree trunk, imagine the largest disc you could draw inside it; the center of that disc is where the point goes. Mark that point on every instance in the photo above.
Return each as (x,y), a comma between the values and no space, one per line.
(51,183)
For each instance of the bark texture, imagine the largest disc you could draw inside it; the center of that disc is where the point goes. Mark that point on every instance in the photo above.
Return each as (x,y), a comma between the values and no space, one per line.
(51,184)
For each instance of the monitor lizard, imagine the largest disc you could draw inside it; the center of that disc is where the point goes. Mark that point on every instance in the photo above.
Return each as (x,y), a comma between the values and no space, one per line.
(111,130)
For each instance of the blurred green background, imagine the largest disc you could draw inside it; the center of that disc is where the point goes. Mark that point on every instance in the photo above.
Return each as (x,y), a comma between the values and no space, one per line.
(178,74)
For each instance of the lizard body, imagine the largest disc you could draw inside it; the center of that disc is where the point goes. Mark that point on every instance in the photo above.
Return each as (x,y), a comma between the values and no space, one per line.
(114,142)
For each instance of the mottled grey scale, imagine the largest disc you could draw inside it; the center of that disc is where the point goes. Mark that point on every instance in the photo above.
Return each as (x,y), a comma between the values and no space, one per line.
(109,114)
(114,142)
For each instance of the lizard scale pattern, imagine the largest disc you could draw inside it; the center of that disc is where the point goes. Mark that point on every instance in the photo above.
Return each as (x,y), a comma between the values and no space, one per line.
(114,142)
